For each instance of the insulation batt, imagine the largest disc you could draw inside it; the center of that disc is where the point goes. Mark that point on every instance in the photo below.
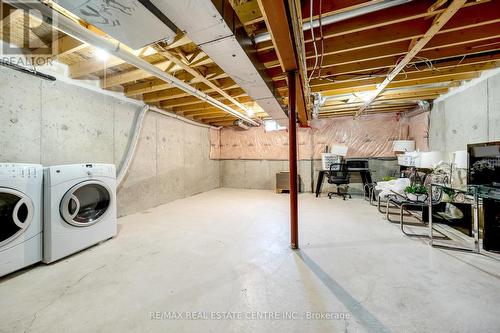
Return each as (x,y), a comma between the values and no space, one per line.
(366,136)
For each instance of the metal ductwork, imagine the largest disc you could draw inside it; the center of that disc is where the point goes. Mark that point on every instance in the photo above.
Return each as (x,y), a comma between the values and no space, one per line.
(241,124)
(135,23)
(422,106)
(75,30)
(207,28)
(326,20)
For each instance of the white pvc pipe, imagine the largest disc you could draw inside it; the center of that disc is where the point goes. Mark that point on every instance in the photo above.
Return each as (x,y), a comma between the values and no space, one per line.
(73,29)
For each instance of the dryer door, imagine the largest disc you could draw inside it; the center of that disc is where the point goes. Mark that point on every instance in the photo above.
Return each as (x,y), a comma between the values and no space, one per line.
(86,203)
(16,214)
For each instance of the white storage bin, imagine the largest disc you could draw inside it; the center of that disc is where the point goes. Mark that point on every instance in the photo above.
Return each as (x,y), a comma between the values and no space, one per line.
(329,158)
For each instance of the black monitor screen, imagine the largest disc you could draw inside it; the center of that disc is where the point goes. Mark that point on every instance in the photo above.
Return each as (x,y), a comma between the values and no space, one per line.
(484,164)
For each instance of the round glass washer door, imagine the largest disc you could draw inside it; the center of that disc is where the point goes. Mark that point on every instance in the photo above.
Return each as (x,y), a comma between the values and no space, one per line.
(16,214)
(86,203)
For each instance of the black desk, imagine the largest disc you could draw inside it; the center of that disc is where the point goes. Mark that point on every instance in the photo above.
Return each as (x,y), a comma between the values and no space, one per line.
(365,174)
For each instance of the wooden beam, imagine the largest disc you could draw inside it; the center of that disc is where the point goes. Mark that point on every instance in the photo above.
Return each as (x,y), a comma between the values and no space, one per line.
(301,103)
(9,16)
(130,76)
(352,113)
(324,85)
(193,100)
(213,73)
(162,95)
(371,67)
(214,117)
(275,16)
(91,66)
(389,16)
(347,89)
(248,11)
(378,109)
(200,112)
(470,16)
(205,106)
(277,22)
(202,79)
(436,26)
(67,45)
(477,52)
(381,99)
(334,7)
(393,94)
(409,74)
(4,10)
(436,5)
(147,87)
(221,123)
(468,22)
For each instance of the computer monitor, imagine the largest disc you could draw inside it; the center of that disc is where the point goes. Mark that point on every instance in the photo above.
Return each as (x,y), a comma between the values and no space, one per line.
(484,164)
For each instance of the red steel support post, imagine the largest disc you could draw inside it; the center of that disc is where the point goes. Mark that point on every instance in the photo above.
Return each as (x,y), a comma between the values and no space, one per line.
(292,143)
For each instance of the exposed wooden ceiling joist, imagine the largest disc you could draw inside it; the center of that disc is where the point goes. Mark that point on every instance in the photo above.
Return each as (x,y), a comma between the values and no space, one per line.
(276,18)
(202,79)
(438,23)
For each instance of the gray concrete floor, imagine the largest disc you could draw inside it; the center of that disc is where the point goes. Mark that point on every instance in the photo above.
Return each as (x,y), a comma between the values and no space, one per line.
(227,251)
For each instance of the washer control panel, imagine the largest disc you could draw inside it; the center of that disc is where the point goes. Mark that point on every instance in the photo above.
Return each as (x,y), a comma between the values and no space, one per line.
(20,171)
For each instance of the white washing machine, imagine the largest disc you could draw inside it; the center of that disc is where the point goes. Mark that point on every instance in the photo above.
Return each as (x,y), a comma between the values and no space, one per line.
(80,208)
(21,206)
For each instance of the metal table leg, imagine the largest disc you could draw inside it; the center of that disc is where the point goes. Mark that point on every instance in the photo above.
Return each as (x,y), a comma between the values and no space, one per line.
(431,238)
(476,223)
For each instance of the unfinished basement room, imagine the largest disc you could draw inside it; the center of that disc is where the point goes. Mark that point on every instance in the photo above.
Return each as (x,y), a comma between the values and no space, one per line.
(250,166)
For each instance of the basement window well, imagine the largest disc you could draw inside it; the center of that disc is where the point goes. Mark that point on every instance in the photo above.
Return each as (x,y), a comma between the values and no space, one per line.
(272,125)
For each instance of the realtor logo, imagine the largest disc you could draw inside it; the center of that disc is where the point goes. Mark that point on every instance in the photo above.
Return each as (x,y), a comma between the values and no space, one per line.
(26,34)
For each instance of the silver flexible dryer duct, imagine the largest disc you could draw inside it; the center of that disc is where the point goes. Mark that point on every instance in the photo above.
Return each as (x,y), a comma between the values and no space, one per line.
(73,29)
(132,145)
(134,140)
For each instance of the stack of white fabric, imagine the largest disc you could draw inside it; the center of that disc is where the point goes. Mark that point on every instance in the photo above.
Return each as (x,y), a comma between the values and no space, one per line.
(396,185)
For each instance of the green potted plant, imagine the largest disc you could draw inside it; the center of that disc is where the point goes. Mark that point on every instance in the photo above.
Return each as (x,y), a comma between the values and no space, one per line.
(416,192)
(447,195)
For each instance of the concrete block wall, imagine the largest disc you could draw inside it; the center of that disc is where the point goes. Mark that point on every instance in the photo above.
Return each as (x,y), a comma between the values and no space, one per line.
(55,123)
(470,116)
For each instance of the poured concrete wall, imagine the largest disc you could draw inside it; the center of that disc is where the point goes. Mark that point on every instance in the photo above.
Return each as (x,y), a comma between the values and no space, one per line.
(56,123)
(171,162)
(469,116)
(261,174)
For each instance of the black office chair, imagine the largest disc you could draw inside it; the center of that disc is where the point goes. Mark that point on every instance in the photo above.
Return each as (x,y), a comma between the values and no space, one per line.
(338,175)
